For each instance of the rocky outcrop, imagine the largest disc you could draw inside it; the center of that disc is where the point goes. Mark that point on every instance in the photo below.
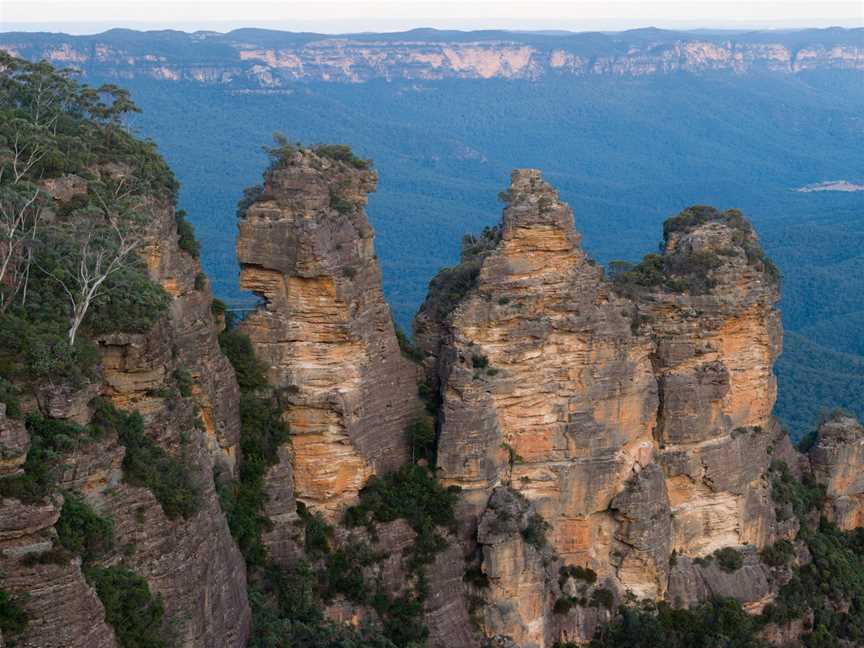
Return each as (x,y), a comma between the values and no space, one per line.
(691,582)
(837,461)
(63,609)
(268,60)
(634,415)
(324,331)
(14,443)
(193,563)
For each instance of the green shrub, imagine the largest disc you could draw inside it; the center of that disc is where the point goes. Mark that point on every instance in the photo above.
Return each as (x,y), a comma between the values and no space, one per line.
(779,554)
(343,572)
(132,303)
(421,438)
(82,531)
(218,307)
(186,235)
(788,493)
(238,349)
(729,559)
(52,556)
(342,153)
(563,604)
(450,286)
(50,357)
(407,348)
(578,572)
(402,619)
(13,618)
(479,361)
(317,533)
(9,397)
(251,195)
(535,533)
(262,432)
(183,380)
(602,597)
(808,441)
(340,203)
(715,623)
(130,608)
(281,154)
(476,577)
(145,463)
(50,439)
(412,494)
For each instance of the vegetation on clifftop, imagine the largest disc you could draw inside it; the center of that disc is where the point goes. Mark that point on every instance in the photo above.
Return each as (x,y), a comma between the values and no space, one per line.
(75,191)
(691,271)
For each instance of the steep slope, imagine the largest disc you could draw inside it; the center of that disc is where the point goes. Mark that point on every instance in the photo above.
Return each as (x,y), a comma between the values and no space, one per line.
(113,516)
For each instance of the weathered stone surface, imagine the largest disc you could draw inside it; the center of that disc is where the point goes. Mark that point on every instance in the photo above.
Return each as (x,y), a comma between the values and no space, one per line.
(193,563)
(63,609)
(447,608)
(64,402)
(419,55)
(325,331)
(690,583)
(635,418)
(643,535)
(519,593)
(14,443)
(837,459)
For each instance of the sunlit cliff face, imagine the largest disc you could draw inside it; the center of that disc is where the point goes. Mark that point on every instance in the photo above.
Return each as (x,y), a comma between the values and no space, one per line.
(359,61)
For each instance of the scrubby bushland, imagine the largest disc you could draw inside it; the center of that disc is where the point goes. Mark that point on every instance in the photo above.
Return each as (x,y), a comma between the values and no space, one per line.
(79,271)
(146,463)
(691,271)
(131,609)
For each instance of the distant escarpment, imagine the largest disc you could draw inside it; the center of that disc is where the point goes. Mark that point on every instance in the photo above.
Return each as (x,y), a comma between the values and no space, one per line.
(252,58)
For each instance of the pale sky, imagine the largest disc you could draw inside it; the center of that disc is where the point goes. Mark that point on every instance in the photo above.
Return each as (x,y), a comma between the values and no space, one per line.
(333,16)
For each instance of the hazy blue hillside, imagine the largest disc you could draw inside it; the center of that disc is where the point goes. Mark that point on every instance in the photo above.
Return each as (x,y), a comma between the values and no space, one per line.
(626,153)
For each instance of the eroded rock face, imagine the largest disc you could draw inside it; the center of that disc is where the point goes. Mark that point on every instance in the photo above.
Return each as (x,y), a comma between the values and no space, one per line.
(635,416)
(519,585)
(14,443)
(63,609)
(192,563)
(325,331)
(837,460)
(247,60)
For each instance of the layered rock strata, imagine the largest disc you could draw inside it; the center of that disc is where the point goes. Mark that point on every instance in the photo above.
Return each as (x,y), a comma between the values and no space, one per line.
(193,564)
(324,331)
(837,461)
(634,416)
(265,60)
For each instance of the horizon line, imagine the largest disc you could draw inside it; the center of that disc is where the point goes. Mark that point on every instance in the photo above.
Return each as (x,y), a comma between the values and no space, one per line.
(143,27)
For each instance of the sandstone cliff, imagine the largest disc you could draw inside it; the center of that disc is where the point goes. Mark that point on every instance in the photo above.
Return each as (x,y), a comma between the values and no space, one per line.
(191,561)
(324,331)
(254,58)
(837,460)
(634,415)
